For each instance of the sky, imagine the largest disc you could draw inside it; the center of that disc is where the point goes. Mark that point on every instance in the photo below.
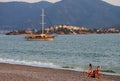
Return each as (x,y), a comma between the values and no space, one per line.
(113,2)
(30,1)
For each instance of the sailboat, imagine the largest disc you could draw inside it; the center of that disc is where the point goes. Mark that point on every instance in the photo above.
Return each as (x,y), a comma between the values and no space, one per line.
(42,36)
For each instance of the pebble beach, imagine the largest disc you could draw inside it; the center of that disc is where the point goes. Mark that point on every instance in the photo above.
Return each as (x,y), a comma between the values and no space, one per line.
(13,72)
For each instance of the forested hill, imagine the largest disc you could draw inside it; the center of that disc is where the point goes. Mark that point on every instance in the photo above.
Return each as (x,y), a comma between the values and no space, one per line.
(88,13)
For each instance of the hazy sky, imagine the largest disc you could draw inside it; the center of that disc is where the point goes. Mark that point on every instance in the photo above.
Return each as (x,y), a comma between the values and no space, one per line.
(31,1)
(115,2)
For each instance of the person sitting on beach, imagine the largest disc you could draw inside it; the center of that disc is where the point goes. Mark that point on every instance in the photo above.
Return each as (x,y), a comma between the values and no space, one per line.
(93,73)
(97,72)
(90,71)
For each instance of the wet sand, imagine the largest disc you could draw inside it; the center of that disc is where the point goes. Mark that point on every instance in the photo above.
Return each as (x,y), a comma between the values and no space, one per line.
(13,72)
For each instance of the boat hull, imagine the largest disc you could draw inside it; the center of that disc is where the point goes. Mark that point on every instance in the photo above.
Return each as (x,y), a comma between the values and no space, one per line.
(39,37)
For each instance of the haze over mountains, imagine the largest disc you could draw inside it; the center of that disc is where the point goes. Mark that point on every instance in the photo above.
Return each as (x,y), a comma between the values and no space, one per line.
(88,13)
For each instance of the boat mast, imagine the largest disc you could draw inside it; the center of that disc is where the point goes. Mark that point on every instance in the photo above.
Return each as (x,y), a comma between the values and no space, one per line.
(43,20)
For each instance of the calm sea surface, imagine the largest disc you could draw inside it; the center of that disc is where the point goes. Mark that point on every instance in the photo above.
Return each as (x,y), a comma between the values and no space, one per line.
(66,51)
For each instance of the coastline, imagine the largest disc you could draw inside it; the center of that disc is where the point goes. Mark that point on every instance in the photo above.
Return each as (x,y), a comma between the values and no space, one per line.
(15,72)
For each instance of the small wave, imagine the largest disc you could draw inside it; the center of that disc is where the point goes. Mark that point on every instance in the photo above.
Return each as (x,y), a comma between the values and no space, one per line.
(30,63)
(108,71)
(68,67)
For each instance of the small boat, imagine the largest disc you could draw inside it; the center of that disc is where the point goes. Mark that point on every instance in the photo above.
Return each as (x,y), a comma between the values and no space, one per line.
(43,36)
(37,37)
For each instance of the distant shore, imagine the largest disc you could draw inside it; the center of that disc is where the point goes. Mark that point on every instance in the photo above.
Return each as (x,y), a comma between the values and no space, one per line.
(14,72)
(66,29)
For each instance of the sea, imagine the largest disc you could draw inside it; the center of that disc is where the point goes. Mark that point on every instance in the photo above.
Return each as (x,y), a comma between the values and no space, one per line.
(73,52)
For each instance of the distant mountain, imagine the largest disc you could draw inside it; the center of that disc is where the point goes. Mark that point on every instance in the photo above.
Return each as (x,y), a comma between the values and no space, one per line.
(88,13)
(116,26)
(19,15)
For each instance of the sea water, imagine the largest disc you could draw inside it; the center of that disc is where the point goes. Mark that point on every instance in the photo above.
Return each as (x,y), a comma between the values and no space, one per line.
(65,51)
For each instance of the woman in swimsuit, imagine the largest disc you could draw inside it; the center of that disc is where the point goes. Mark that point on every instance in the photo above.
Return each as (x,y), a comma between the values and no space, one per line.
(90,71)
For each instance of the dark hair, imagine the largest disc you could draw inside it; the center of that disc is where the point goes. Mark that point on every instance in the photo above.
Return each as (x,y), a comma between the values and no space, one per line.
(90,65)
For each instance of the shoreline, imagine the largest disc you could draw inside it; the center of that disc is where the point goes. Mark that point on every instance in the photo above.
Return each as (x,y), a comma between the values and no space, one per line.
(15,72)
(58,67)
